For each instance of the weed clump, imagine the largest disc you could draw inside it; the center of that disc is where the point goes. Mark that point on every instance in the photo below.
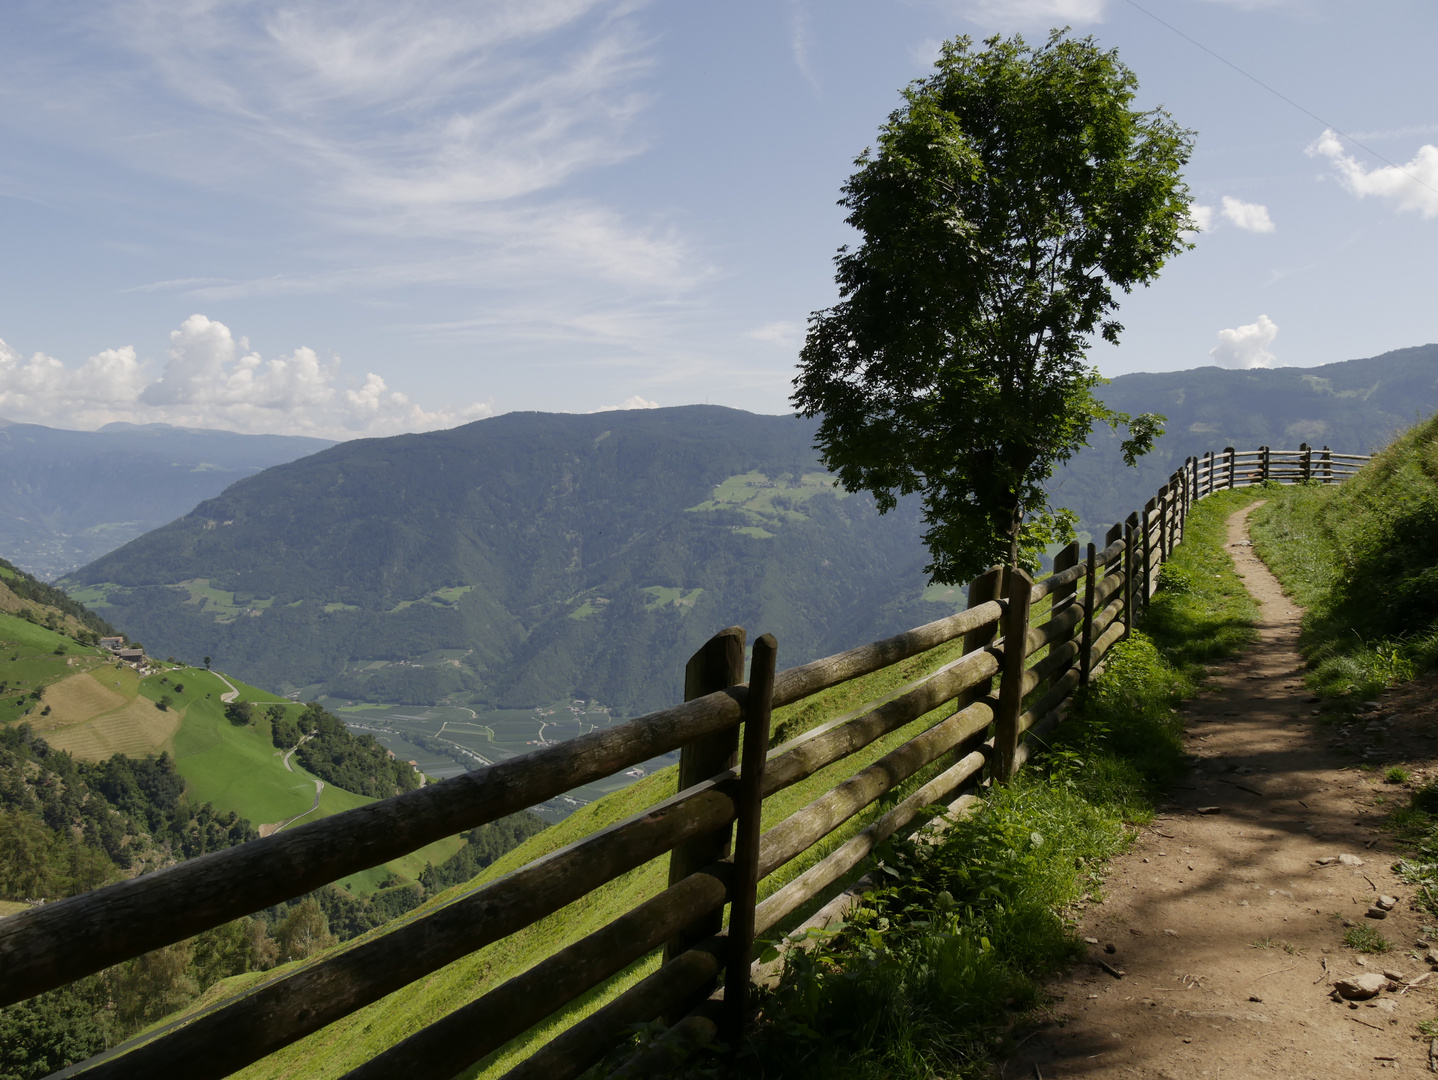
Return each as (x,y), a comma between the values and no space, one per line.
(1366,938)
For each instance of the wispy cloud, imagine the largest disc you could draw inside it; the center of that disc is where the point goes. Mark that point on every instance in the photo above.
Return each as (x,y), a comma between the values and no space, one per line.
(787,335)
(1026,14)
(800,41)
(1413,186)
(418,131)
(212,379)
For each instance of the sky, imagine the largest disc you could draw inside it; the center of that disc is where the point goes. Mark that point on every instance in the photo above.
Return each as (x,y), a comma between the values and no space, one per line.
(350,218)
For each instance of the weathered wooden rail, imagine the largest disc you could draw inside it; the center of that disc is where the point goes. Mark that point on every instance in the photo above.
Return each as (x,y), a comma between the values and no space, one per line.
(1025,648)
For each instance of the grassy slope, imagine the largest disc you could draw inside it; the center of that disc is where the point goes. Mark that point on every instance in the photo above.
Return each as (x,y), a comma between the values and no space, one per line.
(1209,618)
(101,708)
(1360,558)
(347,1043)
(28,659)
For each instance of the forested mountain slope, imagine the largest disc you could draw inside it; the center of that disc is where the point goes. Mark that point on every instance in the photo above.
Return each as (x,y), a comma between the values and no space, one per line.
(520,560)
(67,497)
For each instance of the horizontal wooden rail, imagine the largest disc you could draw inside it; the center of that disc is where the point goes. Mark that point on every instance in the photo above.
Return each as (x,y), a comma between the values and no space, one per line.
(58,943)
(237,1032)
(802,829)
(804,681)
(450,1045)
(853,851)
(574,1050)
(808,757)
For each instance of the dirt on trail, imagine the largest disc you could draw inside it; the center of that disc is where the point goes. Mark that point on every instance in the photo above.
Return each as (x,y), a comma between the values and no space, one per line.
(1226,918)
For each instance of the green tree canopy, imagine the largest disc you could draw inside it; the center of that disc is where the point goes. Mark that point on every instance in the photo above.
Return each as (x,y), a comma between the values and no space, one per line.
(1011,194)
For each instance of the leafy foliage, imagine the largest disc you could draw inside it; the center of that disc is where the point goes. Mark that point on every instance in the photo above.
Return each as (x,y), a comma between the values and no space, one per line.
(1011,195)
(329,750)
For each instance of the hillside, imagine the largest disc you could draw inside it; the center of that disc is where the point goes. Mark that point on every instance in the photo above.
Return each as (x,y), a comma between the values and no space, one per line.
(67,497)
(1361,559)
(1355,407)
(68,699)
(523,560)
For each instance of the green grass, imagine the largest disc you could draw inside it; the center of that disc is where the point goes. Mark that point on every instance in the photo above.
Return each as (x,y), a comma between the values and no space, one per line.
(1360,558)
(928,977)
(660,596)
(1366,938)
(28,660)
(1105,772)
(236,768)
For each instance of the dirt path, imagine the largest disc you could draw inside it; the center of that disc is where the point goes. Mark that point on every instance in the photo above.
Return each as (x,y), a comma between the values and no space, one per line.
(1226,927)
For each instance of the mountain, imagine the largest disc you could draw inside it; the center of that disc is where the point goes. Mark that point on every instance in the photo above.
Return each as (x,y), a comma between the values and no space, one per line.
(530,559)
(521,560)
(67,497)
(1354,407)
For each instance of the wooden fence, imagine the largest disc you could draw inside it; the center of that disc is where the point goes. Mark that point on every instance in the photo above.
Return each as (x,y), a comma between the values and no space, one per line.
(1025,647)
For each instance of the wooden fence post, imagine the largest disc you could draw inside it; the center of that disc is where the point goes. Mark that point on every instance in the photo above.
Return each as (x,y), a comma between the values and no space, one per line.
(1264,463)
(982,589)
(1146,519)
(1017,588)
(1307,462)
(1130,566)
(1327,465)
(758,705)
(1086,638)
(718,665)
(1163,525)
(1064,594)
(1232,466)
(1208,482)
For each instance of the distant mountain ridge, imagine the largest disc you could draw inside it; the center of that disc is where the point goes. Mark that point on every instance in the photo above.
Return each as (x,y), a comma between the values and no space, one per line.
(67,497)
(533,557)
(1353,406)
(520,560)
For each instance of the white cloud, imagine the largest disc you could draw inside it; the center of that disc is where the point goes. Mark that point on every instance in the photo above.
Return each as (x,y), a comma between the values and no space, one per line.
(1007,14)
(1411,187)
(210,379)
(799,43)
(787,335)
(1200,218)
(1246,346)
(635,402)
(1249,216)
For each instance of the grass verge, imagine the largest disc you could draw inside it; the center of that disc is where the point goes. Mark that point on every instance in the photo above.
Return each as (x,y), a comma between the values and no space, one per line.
(1360,558)
(938,970)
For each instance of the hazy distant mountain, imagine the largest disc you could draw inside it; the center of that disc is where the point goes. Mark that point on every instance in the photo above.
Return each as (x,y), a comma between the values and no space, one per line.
(1354,406)
(67,497)
(520,560)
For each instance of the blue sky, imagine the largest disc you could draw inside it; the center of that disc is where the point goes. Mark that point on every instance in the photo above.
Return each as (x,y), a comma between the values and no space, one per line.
(354,218)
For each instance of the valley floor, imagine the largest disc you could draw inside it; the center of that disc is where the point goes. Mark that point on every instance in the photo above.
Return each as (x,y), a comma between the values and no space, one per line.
(1226,920)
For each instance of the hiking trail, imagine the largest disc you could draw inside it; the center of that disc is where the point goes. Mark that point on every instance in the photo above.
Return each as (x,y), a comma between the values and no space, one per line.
(1225,925)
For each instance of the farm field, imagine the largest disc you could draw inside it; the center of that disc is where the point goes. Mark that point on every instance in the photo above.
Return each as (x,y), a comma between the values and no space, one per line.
(446,740)
(29,661)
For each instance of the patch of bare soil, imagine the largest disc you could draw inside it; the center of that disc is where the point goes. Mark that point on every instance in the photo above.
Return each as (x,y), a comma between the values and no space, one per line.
(1217,946)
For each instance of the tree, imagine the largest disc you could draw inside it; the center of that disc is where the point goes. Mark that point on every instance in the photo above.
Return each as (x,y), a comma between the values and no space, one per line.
(1011,194)
(207,663)
(240,713)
